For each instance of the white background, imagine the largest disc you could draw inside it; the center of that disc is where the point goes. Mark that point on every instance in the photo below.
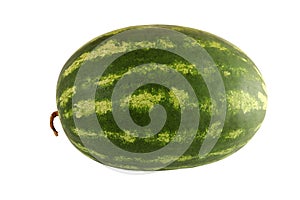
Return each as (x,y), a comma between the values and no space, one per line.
(36,39)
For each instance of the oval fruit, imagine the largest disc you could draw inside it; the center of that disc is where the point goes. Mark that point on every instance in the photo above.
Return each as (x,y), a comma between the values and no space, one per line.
(160,97)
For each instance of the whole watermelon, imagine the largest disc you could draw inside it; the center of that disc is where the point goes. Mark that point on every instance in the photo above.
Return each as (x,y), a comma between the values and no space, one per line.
(160,97)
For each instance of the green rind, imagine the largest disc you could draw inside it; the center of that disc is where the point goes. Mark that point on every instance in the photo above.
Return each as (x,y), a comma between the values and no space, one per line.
(245,95)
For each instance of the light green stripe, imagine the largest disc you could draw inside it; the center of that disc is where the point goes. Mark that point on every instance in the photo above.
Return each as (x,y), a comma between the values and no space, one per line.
(243,59)
(264,87)
(214,44)
(143,101)
(227,151)
(85,108)
(66,96)
(214,130)
(129,137)
(76,64)
(184,98)
(239,100)
(185,68)
(85,133)
(146,100)
(181,67)
(126,136)
(257,127)
(234,71)
(88,151)
(263,99)
(129,167)
(67,114)
(158,160)
(113,47)
(164,137)
(234,133)
(226,73)
(207,105)
(185,158)
(108,80)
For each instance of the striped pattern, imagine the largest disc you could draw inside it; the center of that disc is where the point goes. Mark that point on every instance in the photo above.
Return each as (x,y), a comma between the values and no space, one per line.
(245,96)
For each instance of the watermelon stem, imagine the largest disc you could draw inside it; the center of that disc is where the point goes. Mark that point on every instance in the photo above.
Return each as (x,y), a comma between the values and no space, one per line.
(53,115)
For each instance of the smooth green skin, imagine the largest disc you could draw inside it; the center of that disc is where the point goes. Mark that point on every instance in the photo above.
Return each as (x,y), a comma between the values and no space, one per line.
(245,90)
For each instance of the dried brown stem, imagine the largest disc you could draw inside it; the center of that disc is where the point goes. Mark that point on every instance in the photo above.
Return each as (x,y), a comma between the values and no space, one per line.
(53,115)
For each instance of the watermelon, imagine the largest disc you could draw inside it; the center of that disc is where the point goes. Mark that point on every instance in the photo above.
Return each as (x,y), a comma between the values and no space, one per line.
(159,97)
